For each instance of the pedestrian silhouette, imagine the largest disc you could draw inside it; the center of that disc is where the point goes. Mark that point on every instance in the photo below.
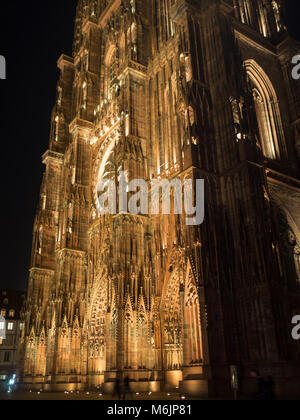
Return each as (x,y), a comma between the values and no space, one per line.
(118,389)
(126,388)
(270,385)
(265,387)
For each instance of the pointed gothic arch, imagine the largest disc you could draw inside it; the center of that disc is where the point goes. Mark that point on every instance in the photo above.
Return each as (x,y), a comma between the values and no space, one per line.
(181,323)
(63,353)
(267,112)
(112,333)
(111,63)
(143,342)
(75,355)
(172,321)
(193,350)
(40,367)
(129,336)
(106,157)
(288,241)
(97,334)
(30,354)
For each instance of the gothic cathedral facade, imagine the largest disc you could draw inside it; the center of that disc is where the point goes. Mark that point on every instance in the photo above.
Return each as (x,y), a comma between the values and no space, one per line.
(193,89)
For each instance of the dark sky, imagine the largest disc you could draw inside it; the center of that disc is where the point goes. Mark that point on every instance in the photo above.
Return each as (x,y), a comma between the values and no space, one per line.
(33,34)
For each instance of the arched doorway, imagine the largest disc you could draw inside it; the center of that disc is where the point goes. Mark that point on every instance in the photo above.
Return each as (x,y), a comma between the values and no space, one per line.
(181,328)
(172,324)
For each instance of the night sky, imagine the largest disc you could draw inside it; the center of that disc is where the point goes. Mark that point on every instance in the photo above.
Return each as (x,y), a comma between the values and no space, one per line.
(33,34)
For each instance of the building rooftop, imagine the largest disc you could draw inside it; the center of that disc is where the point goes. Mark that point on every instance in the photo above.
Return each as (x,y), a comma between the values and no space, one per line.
(11,301)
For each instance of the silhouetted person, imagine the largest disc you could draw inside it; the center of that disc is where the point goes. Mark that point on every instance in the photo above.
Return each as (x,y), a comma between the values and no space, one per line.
(270,389)
(126,388)
(261,393)
(118,388)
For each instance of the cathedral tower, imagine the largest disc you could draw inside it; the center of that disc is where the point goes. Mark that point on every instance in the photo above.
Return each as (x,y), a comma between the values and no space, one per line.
(165,89)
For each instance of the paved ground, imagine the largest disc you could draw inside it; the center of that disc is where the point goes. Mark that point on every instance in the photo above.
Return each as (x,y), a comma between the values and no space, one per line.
(162,396)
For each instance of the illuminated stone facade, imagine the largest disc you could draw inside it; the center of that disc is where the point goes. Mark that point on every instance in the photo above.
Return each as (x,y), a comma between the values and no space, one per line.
(165,88)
